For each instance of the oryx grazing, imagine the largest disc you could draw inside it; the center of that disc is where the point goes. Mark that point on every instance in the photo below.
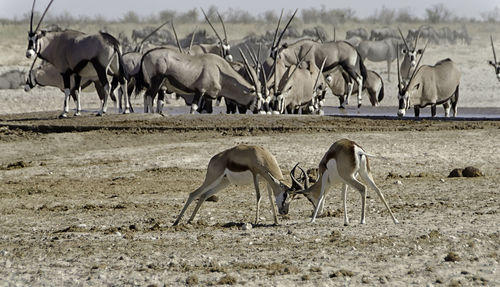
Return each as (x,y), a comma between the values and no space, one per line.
(430,85)
(337,53)
(379,51)
(70,51)
(343,161)
(205,75)
(495,63)
(374,85)
(243,165)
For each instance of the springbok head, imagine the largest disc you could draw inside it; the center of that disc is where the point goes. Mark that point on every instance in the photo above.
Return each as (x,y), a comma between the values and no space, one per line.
(410,52)
(495,63)
(405,91)
(34,35)
(300,183)
(224,43)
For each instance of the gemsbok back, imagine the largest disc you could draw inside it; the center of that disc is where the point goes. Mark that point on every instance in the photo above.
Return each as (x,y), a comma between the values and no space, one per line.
(243,165)
(343,161)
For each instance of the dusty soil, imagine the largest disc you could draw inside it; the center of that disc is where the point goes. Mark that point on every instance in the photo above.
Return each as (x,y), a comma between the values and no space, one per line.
(91,201)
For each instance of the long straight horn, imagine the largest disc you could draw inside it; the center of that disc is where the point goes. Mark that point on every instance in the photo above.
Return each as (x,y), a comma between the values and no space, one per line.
(319,74)
(213,28)
(493,47)
(252,55)
(258,52)
(404,40)
(152,33)
(32,65)
(416,40)
(399,72)
(297,66)
(223,27)
(284,29)
(43,15)
(277,30)
(418,63)
(248,67)
(31,17)
(176,38)
(192,38)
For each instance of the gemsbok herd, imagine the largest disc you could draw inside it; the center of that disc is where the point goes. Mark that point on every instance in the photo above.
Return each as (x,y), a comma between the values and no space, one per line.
(292,79)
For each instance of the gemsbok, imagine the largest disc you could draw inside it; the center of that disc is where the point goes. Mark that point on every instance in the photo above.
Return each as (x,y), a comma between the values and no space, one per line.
(243,165)
(343,161)
(494,63)
(205,75)
(409,63)
(70,51)
(430,85)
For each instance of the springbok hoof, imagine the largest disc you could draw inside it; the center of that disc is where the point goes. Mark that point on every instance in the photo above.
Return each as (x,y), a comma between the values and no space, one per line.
(63,115)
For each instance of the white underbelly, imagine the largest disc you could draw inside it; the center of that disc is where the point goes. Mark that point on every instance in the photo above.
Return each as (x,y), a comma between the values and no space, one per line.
(239,178)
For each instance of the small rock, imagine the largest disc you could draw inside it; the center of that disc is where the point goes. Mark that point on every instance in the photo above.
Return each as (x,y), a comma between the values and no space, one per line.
(213,198)
(452,257)
(398,182)
(442,180)
(471,171)
(246,226)
(457,172)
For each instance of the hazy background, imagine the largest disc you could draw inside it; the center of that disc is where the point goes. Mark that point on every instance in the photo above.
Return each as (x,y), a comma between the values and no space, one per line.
(109,10)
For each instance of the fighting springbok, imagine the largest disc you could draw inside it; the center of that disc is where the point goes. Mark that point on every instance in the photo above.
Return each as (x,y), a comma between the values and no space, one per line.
(243,165)
(494,63)
(341,164)
(430,85)
(374,85)
(70,51)
(205,75)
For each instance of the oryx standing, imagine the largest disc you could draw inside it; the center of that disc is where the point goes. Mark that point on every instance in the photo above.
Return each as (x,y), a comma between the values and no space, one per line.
(379,51)
(70,51)
(409,63)
(430,85)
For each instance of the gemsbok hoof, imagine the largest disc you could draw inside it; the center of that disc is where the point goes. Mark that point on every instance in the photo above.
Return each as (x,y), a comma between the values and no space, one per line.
(78,114)
(63,116)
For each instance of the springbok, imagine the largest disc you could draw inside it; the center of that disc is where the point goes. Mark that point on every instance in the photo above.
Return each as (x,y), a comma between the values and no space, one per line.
(494,63)
(374,85)
(341,164)
(70,51)
(430,85)
(206,75)
(243,165)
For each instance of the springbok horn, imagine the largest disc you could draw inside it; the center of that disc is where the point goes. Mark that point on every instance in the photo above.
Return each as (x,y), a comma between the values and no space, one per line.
(305,176)
(418,63)
(284,30)
(248,68)
(277,30)
(223,27)
(404,40)
(319,74)
(43,15)
(176,38)
(399,73)
(493,47)
(295,183)
(31,17)
(213,28)
(192,38)
(151,34)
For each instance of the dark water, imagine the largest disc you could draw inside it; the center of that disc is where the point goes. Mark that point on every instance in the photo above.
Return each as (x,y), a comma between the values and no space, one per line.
(352,111)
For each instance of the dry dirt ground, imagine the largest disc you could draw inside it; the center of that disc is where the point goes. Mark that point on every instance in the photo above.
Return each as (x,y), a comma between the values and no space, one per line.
(91,201)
